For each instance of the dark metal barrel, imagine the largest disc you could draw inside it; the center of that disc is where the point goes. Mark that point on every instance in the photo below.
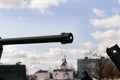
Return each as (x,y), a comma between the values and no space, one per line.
(63,38)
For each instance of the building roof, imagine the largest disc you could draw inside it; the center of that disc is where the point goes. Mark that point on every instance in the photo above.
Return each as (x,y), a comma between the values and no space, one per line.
(61,70)
(42,71)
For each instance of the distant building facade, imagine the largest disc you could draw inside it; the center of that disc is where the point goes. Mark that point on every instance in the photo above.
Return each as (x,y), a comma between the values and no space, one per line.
(92,66)
(42,75)
(64,73)
(12,72)
(85,65)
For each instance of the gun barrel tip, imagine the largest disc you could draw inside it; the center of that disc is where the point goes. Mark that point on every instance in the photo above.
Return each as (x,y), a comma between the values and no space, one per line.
(67,38)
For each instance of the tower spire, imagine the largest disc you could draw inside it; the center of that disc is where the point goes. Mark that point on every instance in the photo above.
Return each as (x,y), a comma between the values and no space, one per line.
(65,59)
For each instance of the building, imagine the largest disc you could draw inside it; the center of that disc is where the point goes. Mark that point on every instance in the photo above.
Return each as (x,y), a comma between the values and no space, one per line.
(64,73)
(12,72)
(92,66)
(84,65)
(42,75)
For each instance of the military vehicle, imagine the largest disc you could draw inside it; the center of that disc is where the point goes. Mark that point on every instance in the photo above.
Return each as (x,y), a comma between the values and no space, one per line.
(114,54)
(18,71)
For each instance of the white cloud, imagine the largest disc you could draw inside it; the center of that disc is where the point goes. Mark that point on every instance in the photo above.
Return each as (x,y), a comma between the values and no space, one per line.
(107,43)
(38,59)
(99,12)
(102,46)
(88,44)
(78,52)
(54,52)
(35,60)
(107,35)
(43,5)
(119,1)
(12,4)
(111,22)
(108,39)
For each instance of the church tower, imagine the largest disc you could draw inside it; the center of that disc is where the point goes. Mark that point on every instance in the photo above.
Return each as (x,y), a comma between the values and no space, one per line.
(64,63)
(64,73)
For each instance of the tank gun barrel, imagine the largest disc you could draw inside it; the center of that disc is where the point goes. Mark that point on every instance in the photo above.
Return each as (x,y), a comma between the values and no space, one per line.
(18,70)
(63,38)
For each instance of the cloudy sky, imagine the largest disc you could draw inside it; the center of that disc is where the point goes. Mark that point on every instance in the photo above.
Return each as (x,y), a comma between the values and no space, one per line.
(94,24)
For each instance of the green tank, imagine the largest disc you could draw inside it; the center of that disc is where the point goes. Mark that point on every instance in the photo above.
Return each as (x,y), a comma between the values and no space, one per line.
(18,71)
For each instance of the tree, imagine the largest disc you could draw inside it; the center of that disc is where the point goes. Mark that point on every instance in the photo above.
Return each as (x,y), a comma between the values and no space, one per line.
(104,68)
(98,68)
(101,67)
